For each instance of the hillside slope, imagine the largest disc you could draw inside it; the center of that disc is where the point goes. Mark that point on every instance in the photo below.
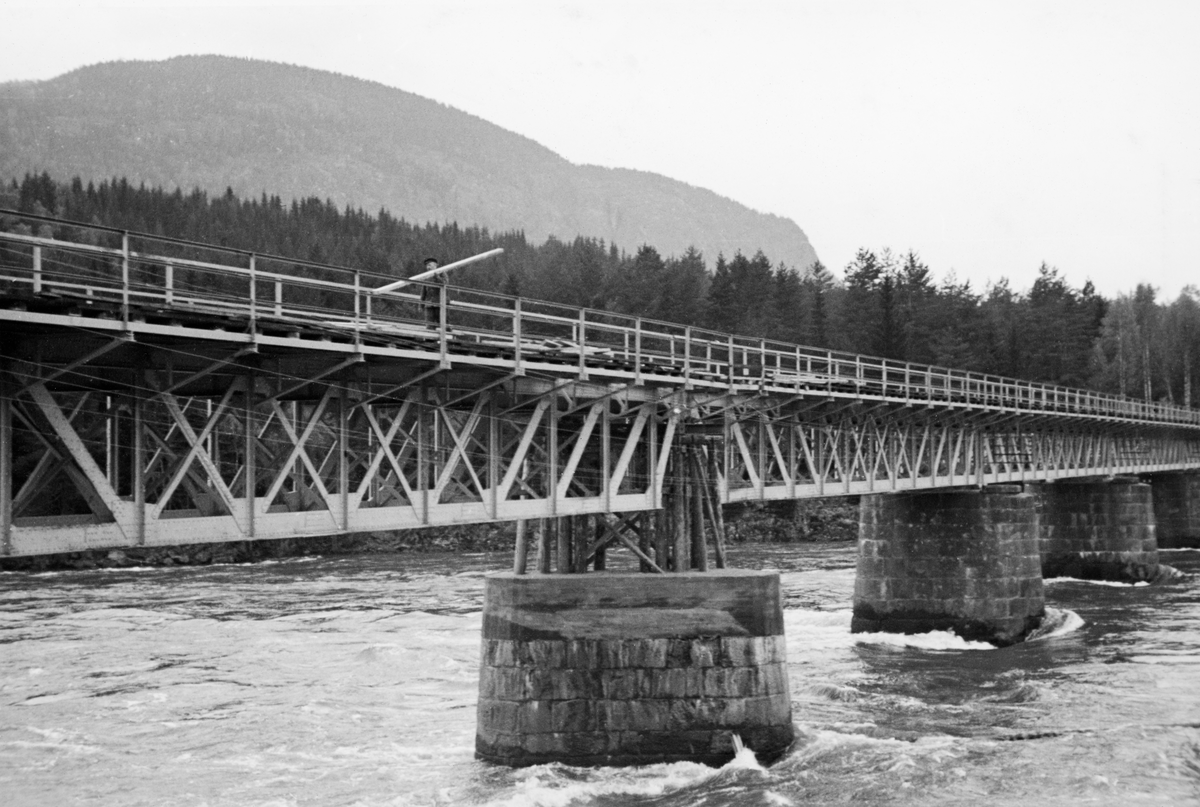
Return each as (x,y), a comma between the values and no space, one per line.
(215,122)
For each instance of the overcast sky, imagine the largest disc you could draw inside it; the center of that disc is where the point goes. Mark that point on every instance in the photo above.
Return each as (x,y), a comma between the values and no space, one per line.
(987,136)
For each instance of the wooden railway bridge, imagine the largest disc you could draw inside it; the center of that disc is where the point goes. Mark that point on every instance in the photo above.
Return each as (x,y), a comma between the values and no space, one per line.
(158,392)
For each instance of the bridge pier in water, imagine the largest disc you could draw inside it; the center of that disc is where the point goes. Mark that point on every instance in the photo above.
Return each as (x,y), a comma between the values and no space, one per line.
(1176,509)
(961,560)
(663,664)
(1098,529)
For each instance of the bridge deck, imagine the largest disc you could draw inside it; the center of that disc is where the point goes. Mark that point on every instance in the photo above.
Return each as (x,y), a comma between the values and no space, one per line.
(143,292)
(159,392)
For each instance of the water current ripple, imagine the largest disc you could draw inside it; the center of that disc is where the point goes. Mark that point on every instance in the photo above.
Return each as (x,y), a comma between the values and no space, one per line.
(352,681)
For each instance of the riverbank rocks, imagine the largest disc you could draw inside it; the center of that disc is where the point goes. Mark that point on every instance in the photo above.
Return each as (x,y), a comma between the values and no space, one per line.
(630,669)
(964,560)
(1098,530)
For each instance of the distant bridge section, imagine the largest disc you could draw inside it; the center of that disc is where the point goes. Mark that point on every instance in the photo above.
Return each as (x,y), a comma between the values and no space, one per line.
(158,392)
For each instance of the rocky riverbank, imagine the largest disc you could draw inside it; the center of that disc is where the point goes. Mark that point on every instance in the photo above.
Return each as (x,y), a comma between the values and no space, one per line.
(777,522)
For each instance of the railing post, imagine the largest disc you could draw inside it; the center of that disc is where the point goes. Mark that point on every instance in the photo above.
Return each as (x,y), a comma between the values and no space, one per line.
(730,357)
(516,329)
(37,269)
(169,284)
(125,277)
(253,291)
(278,297)
(443,324)
(687,357)
(637,351)
(357,303)
(582,342)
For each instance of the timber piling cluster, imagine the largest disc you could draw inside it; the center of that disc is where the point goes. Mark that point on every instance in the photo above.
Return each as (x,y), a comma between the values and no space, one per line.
(685,535)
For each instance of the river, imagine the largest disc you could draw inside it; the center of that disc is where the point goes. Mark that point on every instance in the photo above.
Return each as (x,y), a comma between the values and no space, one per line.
(352,681)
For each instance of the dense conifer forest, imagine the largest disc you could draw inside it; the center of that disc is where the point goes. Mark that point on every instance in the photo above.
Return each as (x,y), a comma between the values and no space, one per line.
(883,304)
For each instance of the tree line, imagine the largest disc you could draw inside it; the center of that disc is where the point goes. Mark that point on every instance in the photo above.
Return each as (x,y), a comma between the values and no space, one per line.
(883,304)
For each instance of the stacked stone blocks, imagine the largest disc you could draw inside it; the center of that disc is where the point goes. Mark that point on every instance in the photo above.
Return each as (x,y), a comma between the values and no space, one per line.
(632,701)
(1099,530)
(1176,509)
(966,561)
(670,668)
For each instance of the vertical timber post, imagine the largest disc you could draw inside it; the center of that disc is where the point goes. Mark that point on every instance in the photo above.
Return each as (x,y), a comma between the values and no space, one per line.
(646,538)
(679,512)
(697,494)
(344,455)
(543,547)
(138,461)
(662,540)
(250,432)
(6,462)
(563,537)
(423,438)
(521,550)
(598,532)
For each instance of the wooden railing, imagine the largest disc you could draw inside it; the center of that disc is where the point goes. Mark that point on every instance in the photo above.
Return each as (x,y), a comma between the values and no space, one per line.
(137,275)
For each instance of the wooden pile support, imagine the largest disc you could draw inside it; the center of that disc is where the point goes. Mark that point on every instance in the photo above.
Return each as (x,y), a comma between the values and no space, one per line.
(676,538)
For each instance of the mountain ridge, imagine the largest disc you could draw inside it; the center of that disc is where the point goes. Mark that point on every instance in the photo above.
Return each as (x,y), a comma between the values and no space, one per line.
(254,126)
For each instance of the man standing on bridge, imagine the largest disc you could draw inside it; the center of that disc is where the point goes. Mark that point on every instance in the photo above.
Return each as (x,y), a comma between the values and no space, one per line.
(431,294)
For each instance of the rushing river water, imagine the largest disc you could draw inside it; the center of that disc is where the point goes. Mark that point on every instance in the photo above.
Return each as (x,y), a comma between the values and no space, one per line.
(352,681)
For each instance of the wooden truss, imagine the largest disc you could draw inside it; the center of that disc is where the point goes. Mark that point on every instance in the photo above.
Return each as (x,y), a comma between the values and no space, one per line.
(853,450)
(144,465)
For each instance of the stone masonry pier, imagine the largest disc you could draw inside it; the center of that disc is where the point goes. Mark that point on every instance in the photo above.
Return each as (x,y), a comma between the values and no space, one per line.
(628,668)
(1098,530)
(1176,509)
(965,561)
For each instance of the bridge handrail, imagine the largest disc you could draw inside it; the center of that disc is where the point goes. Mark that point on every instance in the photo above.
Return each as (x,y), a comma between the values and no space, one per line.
(645,345)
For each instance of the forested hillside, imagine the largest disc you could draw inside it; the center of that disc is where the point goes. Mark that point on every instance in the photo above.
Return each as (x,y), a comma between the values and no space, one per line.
(881,304)
(214,122)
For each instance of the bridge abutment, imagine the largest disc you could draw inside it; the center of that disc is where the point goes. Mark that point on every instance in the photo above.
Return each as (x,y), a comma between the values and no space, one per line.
(1176,509)
(628,669)
(965,561)
(1098,530)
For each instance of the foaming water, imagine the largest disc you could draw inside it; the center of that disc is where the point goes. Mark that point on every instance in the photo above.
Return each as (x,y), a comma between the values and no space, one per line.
(1056,623)
(1113,583)
(353,681)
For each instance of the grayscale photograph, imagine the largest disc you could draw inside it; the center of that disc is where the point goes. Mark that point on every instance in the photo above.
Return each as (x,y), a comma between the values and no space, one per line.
(563,403)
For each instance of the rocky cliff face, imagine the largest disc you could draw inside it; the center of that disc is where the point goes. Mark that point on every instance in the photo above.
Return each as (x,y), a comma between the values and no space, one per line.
(216,122)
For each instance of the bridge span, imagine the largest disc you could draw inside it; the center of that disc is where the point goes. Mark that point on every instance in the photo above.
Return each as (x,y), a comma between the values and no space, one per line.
(156,392)
(160,392)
